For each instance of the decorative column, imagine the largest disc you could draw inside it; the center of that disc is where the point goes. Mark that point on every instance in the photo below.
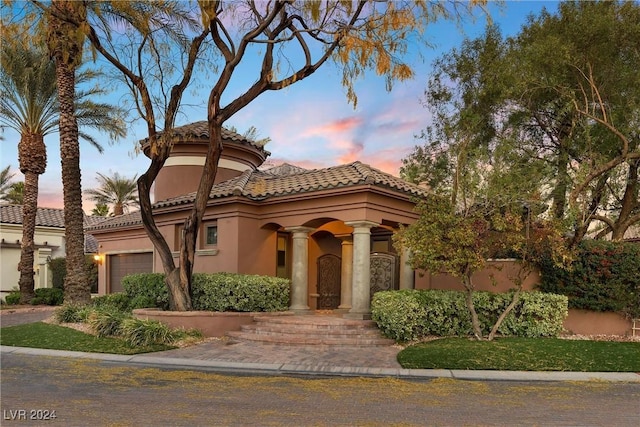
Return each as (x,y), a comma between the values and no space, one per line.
(346,274)
(361,289)
(300,269)
(407,274)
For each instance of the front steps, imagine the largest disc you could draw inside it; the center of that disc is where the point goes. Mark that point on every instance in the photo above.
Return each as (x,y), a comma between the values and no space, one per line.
(311,330)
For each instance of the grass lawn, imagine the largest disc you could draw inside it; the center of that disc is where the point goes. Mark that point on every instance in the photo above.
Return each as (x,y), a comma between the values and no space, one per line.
(55,337)
(523,354)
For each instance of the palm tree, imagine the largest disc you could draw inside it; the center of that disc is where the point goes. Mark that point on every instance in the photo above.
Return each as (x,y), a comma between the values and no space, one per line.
(5,181)
(117,191)
(15,194)
(29,105)
(101,209)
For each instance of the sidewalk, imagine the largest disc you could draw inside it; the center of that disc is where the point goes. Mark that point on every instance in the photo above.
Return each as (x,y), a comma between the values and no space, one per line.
(223,356)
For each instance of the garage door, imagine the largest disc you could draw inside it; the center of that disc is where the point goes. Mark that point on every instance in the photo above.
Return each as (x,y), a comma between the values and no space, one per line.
(121,265)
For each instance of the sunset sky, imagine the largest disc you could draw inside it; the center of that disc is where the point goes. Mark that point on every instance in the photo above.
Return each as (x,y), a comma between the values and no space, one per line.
(310,124)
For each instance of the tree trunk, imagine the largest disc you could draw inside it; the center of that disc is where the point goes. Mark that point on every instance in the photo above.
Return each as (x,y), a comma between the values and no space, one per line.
(32,155)
(66,49)
(29,210)
(182,291)
(629,202)
(562,181)
(469,290)
(504,314)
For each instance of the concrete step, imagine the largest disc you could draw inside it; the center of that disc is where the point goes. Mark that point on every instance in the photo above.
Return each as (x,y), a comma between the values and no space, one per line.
(335,331)
(309,340)
(311,330)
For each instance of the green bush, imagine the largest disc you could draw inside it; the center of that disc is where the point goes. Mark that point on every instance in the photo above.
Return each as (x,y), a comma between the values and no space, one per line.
(118,300)
(107,321)
(72,313)
(146,289)
(239,292)
(603,277)
(139,332)
(13,298)
(409,315)
(212,292)
(48,296)
(58,268)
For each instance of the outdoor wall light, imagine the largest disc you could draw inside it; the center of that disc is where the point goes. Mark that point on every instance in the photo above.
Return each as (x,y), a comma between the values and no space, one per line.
(97,258)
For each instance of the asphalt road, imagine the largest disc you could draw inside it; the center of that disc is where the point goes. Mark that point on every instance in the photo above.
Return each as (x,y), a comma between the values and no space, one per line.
(96,393)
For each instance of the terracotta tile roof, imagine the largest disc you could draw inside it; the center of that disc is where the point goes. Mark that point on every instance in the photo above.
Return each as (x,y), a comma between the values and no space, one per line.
(45,217)
(132,218)
(200,130)
(285,180)
(50,217)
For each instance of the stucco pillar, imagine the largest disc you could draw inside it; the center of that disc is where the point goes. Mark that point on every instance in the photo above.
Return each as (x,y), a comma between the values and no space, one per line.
(300,269)
(346,273)
(407,274)
(361,287)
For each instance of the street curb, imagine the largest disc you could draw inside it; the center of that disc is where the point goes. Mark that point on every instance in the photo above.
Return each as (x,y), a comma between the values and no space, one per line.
(290,369)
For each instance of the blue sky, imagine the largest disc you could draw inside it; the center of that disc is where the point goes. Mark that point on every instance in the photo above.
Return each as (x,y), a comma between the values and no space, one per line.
(310,123)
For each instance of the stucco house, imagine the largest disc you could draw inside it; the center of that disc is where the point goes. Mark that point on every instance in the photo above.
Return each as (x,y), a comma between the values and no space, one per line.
(328,230)
(49,243)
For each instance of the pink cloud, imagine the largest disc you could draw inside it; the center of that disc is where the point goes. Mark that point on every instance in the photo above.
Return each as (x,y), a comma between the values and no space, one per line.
(343,125)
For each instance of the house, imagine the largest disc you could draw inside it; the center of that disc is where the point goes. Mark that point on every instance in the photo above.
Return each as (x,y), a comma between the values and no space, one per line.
(49,242)
(328,230)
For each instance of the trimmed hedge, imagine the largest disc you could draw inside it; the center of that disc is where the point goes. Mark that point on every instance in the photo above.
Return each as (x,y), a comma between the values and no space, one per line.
(604,277)
(146,290)
(212,292)
(239,292)
(409,315)
(46,296)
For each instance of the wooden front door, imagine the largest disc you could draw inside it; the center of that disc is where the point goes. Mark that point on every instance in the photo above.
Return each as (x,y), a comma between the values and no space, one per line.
(329,275)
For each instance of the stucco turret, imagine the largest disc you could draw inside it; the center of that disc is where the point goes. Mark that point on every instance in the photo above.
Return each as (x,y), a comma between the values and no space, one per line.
(182,170)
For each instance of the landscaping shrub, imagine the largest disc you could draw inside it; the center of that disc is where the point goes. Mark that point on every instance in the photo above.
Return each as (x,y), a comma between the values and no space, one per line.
(239,292)
(118,300)
(48,296)
(139,332)
(409,315)
(146,290)
(603,277)
(212,292)
(58,268)
(13,298)
(106,321)
(72,313)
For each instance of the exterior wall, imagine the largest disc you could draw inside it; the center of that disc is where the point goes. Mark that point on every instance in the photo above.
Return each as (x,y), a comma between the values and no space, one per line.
(49,242)
(584,322)
(123,242)
(501,270)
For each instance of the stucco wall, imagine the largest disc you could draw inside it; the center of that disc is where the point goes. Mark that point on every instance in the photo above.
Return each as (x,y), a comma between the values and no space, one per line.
(10,255)
(503,271)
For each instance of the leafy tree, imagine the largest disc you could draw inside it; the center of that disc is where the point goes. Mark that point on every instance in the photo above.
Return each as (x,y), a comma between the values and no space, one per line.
(116,190)
(460,240)
(357,36)
(29,105)
(15,194)
(556,102)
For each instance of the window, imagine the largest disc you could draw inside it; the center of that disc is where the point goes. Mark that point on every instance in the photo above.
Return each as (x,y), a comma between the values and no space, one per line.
(211,235)
(281,255)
